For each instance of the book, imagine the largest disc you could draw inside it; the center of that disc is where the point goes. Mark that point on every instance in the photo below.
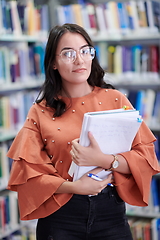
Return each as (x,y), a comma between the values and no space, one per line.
(85,18)
(134,15)
(110,60)
(44,13)
(101,53)
(149,104)
(154,62)
(155,224)
(142,14)
(30,17)
(15,18)
(111,16)
(77,11)
(99,10)
(156,13)
(129,12)
(140,101)
(112,131)
(156,112)
(5,64)
(92,17)
(157,146)
(155,195)
(123,17)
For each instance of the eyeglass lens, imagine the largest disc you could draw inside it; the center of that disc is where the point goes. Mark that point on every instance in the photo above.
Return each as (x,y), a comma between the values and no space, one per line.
(87,53)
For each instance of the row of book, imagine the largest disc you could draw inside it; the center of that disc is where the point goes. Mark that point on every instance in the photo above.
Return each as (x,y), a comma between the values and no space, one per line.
(21,63)
(143,229)
(153,208)
(11,228)
(5,165)
(130,62)
(147,102)
(24,233)
(10,224)
(157,146)
(113,17)
(9,214)
(23,17)
(14,109)
(144,225)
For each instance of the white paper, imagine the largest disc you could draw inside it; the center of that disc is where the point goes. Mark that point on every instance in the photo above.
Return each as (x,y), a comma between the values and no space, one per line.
(114,131)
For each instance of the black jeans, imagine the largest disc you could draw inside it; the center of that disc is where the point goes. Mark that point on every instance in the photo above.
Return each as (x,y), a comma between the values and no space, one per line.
(100,217)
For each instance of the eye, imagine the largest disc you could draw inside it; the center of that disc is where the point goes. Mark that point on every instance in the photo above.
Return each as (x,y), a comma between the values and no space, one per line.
(85,51)
(68,54)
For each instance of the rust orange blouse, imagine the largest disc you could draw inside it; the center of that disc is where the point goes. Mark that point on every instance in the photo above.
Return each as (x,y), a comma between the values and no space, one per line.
(41,153)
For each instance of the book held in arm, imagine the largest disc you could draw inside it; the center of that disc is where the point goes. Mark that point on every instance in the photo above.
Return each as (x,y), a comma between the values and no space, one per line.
(114,131)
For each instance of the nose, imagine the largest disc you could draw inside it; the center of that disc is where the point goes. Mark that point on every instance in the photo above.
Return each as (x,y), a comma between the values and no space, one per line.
(79,59)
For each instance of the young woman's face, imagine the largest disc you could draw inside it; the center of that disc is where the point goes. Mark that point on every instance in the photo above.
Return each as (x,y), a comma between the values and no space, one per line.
(77,71)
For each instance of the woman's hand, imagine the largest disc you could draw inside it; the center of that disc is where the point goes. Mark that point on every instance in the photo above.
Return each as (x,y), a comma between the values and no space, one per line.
(86,156)
(88,186)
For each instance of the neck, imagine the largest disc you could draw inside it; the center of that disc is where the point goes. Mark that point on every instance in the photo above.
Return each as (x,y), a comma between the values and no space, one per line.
(76,91)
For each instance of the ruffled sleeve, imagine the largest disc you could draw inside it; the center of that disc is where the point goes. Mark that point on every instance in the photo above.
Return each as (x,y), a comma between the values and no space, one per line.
(135,188)
(33,175)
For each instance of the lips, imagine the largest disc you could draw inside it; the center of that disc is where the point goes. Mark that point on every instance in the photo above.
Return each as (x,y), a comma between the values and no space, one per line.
(79,70)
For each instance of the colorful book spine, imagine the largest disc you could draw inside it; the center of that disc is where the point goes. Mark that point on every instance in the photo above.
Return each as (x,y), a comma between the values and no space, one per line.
(21,63)
(113,17)
(23,18)
(14,109)
(135,62)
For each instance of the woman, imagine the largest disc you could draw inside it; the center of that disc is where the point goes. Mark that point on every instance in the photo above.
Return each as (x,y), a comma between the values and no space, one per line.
(45,147)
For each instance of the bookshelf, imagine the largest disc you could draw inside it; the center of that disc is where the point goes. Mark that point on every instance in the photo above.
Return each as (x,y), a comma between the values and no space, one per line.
(31,38)
(131,27)
(24,27)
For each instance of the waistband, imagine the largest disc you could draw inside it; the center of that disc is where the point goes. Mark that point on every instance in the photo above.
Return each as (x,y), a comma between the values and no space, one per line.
(106,190)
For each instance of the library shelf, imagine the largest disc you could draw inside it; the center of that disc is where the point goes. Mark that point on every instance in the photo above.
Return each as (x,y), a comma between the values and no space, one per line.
(23,38)
(118,36)
(18,86)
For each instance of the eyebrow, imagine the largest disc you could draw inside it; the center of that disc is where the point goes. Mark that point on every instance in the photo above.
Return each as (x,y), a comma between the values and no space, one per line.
(67,48)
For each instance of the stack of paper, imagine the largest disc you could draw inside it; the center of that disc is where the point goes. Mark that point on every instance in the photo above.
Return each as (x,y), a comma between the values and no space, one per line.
(114,131)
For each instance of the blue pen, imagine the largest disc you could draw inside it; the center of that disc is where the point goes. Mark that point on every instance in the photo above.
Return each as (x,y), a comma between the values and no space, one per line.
(95,177)
(110,184)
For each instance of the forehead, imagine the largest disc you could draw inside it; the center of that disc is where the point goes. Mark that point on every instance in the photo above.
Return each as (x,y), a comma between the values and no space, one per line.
(71,40)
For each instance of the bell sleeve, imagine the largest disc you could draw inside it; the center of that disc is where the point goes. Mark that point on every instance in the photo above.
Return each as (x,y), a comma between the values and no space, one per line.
(33,175)
(135,187)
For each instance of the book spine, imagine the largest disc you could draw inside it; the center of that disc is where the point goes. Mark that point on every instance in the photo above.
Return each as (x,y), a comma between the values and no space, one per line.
(99,10)
(19,17)
(156,13)
(14,109)
(92,17)
(77,11)
(122,13)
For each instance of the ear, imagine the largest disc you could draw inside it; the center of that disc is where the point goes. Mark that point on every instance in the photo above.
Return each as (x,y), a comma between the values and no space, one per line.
(54,67)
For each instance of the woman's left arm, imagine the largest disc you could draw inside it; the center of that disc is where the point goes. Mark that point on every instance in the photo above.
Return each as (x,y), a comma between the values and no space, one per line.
(136,167)
(93,156)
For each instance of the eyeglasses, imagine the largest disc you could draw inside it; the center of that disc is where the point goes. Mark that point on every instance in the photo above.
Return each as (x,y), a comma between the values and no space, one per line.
(69,56)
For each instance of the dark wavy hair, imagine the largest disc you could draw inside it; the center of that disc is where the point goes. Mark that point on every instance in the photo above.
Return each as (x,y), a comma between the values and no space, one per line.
(53,83)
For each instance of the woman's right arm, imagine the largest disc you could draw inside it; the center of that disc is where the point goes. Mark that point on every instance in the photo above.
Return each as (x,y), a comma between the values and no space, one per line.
(85,185)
